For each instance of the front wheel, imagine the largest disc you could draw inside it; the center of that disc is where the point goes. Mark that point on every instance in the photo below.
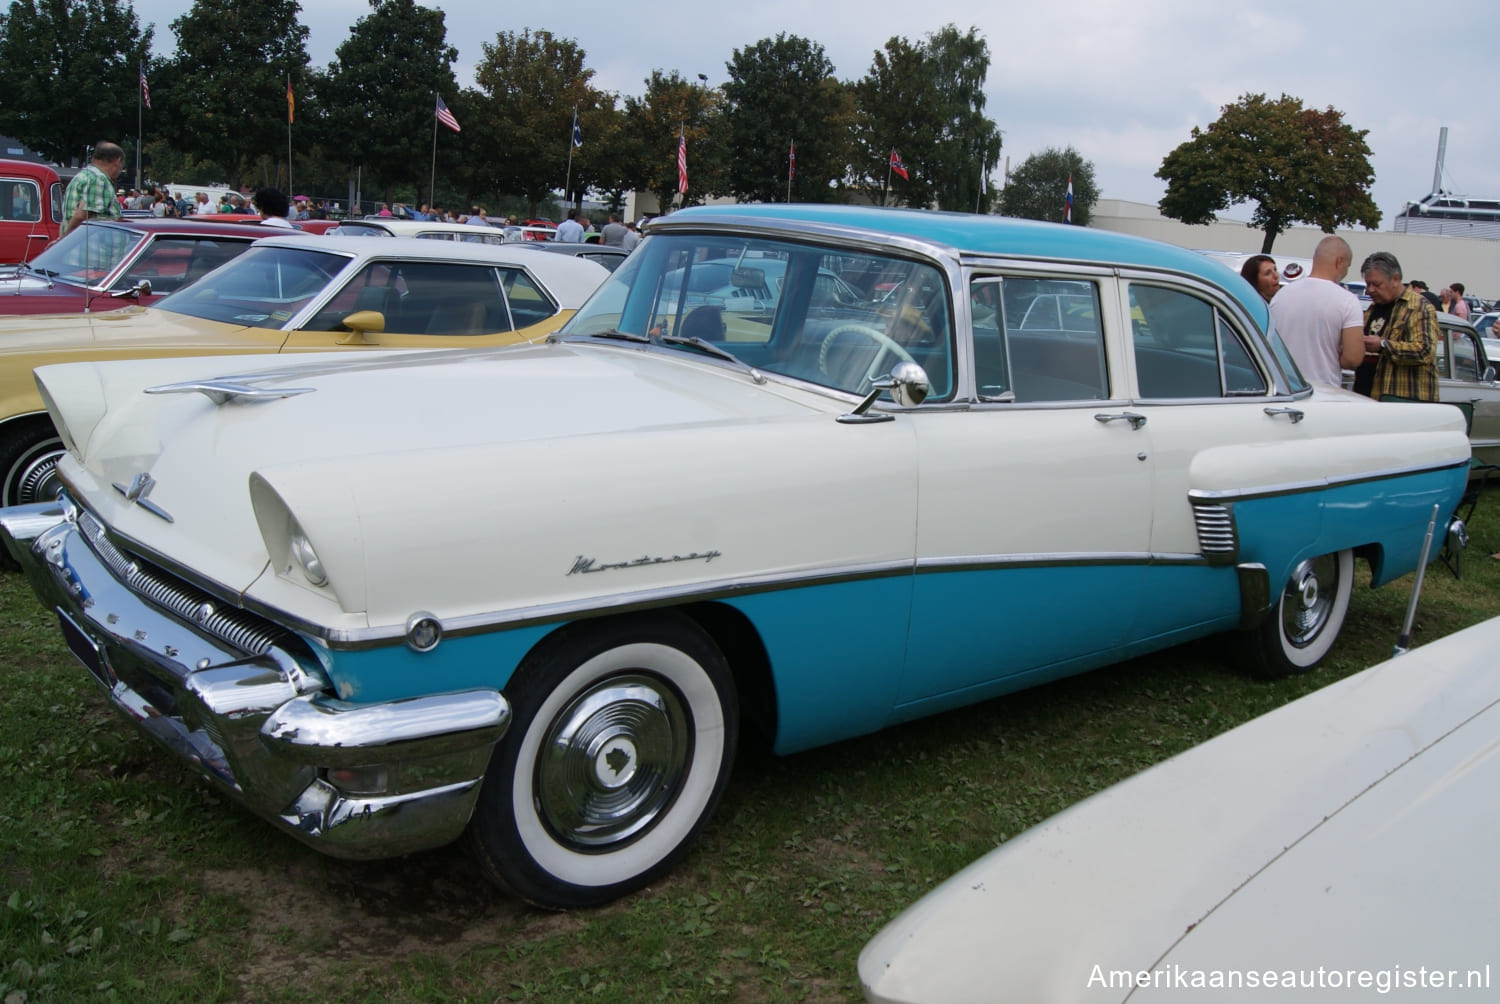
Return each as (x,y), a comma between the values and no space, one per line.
(621,744)
(27,458)
(1307,617)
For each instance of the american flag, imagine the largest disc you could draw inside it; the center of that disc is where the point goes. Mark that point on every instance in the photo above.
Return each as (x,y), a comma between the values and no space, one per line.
(681,162)
(445,116)
(896,165)
(145,89)
(1068,205)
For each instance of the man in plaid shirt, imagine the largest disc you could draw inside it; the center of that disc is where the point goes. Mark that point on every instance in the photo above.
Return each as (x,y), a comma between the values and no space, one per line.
(91,193)
(1401,335)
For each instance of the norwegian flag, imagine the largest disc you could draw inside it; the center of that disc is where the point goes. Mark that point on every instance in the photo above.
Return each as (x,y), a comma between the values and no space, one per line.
(145,88)
(896,166)
(681,162)
(445,116)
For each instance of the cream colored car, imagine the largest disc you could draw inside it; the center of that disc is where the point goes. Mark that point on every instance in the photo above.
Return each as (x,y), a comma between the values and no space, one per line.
(291,294)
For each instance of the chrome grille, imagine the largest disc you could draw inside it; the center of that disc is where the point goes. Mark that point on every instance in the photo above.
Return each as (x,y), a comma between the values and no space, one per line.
(1217,537)
(247,632)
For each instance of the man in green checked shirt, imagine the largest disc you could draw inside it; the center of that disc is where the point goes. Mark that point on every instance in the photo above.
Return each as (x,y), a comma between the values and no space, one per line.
(1401,335)
(91,193)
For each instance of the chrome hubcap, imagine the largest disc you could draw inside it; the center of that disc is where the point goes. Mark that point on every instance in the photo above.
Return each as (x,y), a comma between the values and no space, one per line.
(612,761)
(36,478)
(1306,604)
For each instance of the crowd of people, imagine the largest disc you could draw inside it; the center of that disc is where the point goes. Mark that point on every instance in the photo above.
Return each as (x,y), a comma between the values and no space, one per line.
(1391,345)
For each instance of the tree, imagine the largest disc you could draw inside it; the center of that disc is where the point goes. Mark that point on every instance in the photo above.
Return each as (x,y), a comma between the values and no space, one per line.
(224,90)
(782,91)
(1298,165)
(69,74)
(381,92)
(671,107)
(530,83)
(927,101)
(1039,187)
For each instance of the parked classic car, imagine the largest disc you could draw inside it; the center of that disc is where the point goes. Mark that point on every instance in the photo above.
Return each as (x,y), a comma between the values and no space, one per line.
(289,293)
(1466,377)
(607,255)
(30,209)
(1340,846)
(827,517)
(433,230)
(105,264)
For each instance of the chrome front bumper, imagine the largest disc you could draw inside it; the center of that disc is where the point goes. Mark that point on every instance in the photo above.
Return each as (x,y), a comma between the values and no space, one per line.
(257,718)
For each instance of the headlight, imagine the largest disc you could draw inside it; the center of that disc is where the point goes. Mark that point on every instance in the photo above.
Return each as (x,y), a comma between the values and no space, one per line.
(307,558)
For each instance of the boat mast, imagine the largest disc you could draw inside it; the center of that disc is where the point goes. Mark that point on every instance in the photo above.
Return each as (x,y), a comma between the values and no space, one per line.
(1437,171)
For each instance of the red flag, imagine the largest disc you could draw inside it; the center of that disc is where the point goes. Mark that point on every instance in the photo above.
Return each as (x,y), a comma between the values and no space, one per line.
(791,162)
(681,162)
(896,166)
(445,116)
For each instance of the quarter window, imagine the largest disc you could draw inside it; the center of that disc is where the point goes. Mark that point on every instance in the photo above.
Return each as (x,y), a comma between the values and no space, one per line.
(1185,348)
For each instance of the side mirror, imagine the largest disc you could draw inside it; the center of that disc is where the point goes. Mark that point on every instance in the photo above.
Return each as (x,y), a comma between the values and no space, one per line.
(1489,374)
(908,385)
(359,324)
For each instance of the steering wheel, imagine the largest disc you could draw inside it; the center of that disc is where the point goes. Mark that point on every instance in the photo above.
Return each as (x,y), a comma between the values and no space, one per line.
(886,346)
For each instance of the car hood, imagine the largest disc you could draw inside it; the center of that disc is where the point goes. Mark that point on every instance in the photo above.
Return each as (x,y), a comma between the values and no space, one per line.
(401,466)
(1350,830)
(43,331)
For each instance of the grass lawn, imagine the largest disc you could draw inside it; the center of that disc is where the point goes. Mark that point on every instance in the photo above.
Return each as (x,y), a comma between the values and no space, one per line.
(127,877)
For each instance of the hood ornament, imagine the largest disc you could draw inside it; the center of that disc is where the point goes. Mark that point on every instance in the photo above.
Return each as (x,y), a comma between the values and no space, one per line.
(140,487)
(220,390)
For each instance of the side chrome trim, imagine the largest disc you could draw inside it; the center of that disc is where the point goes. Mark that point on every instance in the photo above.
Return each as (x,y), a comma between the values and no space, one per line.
(1200,495)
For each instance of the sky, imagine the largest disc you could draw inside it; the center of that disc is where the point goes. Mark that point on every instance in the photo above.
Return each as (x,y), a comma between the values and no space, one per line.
(1121,82)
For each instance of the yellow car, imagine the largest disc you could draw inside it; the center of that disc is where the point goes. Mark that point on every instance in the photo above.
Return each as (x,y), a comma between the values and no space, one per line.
(291,294)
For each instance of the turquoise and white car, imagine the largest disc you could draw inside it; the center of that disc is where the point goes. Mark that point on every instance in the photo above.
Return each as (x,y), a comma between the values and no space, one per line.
(529,596)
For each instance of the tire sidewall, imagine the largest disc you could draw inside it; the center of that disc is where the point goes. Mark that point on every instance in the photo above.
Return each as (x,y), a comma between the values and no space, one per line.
(513,840)
(1287,658)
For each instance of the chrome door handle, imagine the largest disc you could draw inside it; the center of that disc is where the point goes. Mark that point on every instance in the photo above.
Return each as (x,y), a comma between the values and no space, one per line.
(1136,421)
(1292,413)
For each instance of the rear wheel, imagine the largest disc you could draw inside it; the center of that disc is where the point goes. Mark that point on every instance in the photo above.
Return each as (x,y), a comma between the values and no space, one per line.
(1307,618)
(621,744)
(28,456)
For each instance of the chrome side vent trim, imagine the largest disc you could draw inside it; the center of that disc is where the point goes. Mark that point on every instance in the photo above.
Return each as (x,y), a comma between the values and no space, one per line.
(1218,538)
(244,631)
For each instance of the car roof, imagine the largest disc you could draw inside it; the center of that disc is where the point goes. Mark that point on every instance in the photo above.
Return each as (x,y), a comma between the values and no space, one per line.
(976,233)
(409,228)
(164,225)
(569,279)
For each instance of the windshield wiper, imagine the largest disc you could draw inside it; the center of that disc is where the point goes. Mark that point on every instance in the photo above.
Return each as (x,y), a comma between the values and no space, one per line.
(704,345)
(621,336)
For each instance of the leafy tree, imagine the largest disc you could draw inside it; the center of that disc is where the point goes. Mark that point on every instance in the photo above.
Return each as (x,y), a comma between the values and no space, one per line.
(529,85)
(782,91)
(225,87)
(68,74)
(927,101)
(672,105)
(1038,189)
(381,93)
(1298,165)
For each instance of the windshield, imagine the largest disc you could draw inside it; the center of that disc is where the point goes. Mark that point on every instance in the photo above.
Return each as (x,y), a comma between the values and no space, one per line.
(87,254)
(836,317)
(262,288)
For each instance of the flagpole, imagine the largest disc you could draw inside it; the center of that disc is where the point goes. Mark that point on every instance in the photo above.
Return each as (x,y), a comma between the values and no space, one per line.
(432,177)
(138,100)
(289,187)
(790,166)
(568,182)
(886,190)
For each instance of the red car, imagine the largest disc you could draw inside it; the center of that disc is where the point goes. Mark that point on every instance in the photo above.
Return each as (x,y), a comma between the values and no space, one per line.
(30,209)
(311,226)
(104,264)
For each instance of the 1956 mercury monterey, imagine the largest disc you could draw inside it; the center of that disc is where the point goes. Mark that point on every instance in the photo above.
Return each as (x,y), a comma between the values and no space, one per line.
(820,469)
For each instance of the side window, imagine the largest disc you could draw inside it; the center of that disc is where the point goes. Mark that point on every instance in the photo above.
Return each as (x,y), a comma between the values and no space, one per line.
(1038,340)
(1184,348)
(1465,357)
(20,200)
(450,300)
(528,303)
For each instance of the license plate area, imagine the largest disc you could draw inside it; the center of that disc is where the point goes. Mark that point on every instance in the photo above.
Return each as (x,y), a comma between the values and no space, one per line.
(84,648)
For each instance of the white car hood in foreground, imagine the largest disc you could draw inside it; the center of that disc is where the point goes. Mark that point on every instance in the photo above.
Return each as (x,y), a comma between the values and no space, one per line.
(472,481)
(1351,832)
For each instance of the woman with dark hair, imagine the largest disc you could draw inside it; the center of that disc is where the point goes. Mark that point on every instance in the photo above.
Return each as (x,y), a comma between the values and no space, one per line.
(1260,271)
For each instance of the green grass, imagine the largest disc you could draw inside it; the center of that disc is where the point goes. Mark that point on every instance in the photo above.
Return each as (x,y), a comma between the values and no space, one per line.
(126,877)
